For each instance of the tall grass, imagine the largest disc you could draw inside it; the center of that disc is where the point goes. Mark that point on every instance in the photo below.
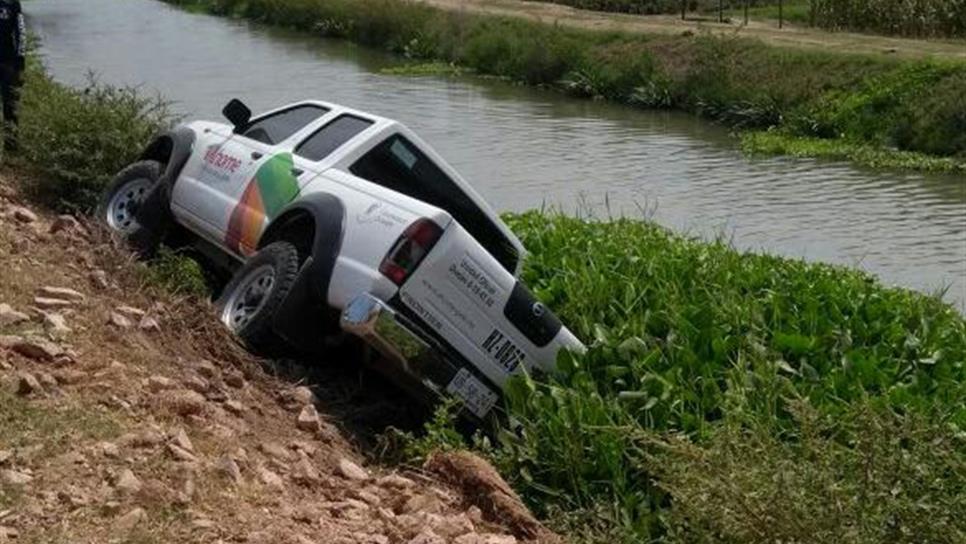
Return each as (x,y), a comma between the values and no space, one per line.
(911,106)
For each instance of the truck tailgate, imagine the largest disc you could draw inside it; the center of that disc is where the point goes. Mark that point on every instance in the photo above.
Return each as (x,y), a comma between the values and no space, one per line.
(462,293)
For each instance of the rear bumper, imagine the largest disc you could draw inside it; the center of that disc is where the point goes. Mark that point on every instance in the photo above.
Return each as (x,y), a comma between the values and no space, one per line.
(412,357)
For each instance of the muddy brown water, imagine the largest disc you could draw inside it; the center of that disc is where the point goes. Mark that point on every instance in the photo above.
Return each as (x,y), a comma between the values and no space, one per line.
(527,148)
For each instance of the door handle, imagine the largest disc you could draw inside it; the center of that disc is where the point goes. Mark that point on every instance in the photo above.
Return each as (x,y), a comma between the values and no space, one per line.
(297,172)
(256,155)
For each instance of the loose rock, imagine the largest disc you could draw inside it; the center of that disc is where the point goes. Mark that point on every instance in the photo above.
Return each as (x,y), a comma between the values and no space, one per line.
(130,521)
(99,279)
(27,384)
(427,537)
(156,384)
(56,325)
(305,472)
(46,303)
(70,377)
(67,223)
(235,407)
(61,293)
(181,454)
(270,478)
(184,402)
(352,471)
(9,316)
(130,311)
(127,482)
(109,450)
(14,477)
(120,321)
(235,379)
(229,468)
(23,215)
(180,439)
(37,348)
(206,369)
(308,419)
(150,324)
(196,384)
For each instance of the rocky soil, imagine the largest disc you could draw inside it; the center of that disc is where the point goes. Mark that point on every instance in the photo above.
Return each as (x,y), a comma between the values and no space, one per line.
(127,414)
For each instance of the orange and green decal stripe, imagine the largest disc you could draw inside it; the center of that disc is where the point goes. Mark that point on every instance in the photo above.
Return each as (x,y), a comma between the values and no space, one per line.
(270,190)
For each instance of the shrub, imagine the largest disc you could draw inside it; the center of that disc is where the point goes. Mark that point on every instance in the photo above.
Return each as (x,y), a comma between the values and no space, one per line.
(178,273)
(79,138)
(937,123)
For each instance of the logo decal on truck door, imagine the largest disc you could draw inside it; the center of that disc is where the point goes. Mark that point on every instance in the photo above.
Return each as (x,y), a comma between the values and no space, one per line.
(271,189)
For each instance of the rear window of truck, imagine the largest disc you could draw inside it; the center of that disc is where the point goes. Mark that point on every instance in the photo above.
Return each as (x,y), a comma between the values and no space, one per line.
(399,165)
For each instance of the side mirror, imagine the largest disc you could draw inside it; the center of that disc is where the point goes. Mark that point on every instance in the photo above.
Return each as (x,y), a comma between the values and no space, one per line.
(237,113)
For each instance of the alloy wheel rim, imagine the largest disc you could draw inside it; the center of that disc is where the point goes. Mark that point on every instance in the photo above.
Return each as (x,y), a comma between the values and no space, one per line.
(248,298)
(122,209)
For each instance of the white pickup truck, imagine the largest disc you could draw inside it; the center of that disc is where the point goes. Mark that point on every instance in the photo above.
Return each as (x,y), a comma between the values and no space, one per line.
(333,220)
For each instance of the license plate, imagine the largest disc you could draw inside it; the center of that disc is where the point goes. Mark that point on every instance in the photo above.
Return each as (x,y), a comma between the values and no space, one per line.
(502,350)
(477,397)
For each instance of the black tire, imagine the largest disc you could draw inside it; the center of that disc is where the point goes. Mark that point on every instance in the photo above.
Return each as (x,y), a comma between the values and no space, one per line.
(257,329)
(136,183)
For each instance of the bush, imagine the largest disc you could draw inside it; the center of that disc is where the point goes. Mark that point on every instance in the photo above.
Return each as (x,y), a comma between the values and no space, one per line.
(178,273)
(79,138)
(937,123)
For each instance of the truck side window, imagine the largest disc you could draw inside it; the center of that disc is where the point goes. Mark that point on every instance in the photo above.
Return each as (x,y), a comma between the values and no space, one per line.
(330,137)
(279,126)
(399,165)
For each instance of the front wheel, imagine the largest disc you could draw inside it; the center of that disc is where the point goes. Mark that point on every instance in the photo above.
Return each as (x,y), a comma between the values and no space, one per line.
(122,200)
(249,303)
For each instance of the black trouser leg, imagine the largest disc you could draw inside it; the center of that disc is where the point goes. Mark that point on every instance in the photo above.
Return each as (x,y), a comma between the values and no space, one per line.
(10,95)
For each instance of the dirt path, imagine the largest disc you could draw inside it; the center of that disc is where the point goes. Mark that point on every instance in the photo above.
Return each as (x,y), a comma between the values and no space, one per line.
(128,415)
(790,36)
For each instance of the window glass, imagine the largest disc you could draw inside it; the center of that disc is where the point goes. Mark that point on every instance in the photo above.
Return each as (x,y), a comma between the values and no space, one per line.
(279,126)
(330,137)
(399,165)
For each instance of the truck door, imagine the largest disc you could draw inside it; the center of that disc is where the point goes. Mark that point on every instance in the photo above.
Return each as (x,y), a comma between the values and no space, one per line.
(230,188)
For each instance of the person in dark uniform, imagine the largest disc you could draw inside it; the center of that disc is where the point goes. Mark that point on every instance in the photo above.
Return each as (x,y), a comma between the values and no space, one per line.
(13,50)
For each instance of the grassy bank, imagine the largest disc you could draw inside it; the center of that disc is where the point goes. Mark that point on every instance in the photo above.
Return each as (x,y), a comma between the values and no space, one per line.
(847,101)
(725,397)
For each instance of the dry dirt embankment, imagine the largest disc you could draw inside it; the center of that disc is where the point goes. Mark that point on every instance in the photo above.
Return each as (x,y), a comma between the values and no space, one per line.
(129,415)
(791,36)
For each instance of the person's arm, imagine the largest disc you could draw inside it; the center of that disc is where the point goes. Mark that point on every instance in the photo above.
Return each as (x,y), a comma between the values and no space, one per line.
(20,35)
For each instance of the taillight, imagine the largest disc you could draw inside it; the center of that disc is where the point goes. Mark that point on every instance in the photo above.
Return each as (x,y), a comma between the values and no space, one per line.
(409,250)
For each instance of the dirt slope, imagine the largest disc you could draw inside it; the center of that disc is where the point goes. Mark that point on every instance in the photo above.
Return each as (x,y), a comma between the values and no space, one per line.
(790,36)
(128,415)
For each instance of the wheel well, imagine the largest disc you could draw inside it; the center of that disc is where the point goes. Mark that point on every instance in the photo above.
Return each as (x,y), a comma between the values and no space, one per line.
(296,227)
(159,150)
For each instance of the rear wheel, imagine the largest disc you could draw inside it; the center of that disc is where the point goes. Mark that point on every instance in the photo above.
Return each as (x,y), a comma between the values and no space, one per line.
(249,303)
(122,200)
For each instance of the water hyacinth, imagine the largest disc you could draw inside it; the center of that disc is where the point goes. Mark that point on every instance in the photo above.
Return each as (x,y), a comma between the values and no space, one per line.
(685,334)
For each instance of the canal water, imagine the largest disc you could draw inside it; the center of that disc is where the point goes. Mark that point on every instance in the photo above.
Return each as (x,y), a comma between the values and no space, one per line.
(527,148)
